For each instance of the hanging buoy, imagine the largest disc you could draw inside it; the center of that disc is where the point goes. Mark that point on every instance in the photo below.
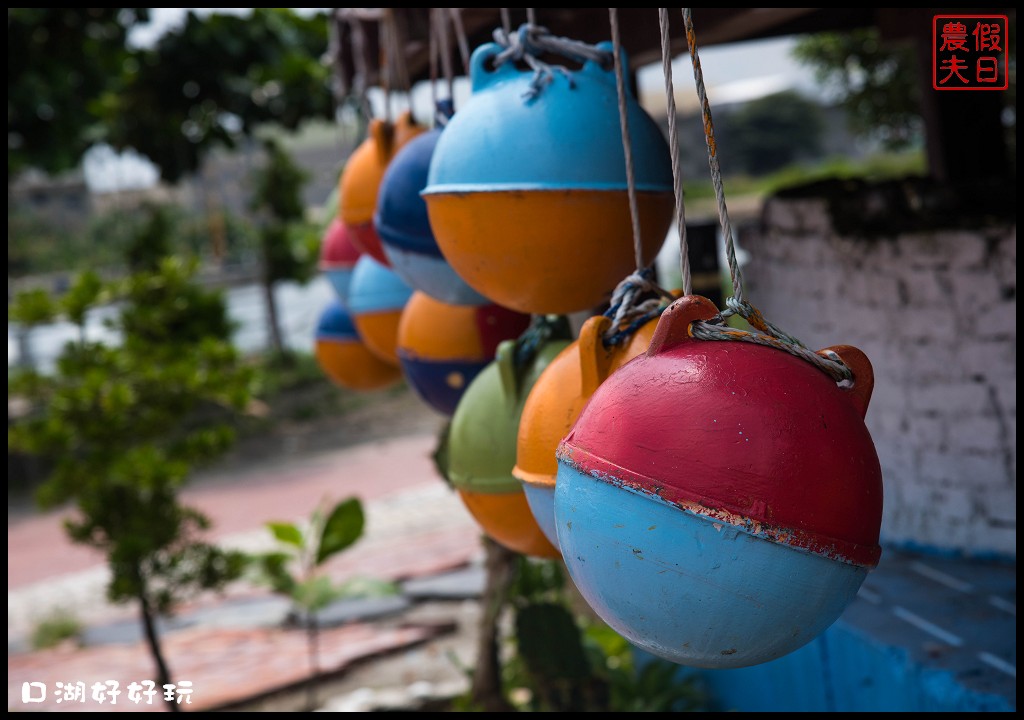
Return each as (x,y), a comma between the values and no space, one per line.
(360,180)
(443,347)
(554,403)
(718,503)
(376,298)
(527,189)
(481,448)
(338,257)
(344,358)
(404,228)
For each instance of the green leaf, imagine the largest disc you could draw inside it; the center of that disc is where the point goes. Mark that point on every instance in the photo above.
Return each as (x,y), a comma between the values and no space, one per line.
(272,569)
(287,533)
(315,594)
(367,587)
(32,307)
(343,527)
(550,643)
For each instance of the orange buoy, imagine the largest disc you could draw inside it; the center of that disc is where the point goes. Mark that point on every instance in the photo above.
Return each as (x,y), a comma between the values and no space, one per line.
(442,347)
(555,402)
(527,188)
(360,180)
(344,358)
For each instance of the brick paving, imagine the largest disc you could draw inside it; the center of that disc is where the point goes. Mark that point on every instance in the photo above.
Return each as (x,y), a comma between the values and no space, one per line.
(416,527)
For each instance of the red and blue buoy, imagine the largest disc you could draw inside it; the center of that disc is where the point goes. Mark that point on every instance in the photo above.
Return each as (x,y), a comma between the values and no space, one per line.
(338,257)
(718,503)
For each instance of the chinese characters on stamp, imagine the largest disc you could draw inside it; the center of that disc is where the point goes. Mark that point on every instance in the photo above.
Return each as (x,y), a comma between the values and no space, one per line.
(969,52)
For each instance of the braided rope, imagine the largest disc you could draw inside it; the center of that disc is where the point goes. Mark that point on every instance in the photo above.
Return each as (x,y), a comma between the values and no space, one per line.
(637,298)
(460,37)
(769,334)
(542,329)
(673,141)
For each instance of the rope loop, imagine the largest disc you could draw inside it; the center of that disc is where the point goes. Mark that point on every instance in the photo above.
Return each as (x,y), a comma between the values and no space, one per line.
(530,42)
(542,329)
(636,300)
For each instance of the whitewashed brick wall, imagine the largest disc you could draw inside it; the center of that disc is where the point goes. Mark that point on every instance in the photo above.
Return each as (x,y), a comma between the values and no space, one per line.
(936,313)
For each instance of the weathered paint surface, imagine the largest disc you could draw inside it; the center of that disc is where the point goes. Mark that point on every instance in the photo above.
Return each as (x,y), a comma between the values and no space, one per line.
(747,476)
(527,198)
(747,434)
(686,588)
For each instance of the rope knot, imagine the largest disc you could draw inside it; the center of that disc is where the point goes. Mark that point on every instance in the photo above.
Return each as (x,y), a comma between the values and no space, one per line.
(636,300)
(530,42)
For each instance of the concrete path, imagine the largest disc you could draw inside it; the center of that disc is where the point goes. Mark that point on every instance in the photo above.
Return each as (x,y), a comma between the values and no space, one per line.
(234,647)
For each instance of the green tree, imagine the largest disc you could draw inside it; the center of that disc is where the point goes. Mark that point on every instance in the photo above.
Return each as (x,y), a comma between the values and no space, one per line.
(124,425)
(215,82)
(59,62)
(288,245)
(771,132)
(297,571)
(73,82)
(875,82)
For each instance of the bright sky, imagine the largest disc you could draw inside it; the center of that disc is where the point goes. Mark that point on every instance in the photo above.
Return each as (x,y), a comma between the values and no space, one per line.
(732,73)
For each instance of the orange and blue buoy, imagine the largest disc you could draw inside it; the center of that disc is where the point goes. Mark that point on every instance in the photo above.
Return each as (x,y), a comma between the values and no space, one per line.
(376,299)
(360,180)
(527,191)
(338,257)
(718,503)
(443,347)
(344,358)
(555,402)
(403,225)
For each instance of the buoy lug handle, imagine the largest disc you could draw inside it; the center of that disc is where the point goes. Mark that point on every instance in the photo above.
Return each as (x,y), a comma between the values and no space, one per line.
(863,384)
(608,70)
(505,357)
(674,323)
(595,360)
(482,70)
(383,134)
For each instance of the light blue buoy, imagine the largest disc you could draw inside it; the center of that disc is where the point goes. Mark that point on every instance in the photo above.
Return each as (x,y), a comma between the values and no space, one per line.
(376,299)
